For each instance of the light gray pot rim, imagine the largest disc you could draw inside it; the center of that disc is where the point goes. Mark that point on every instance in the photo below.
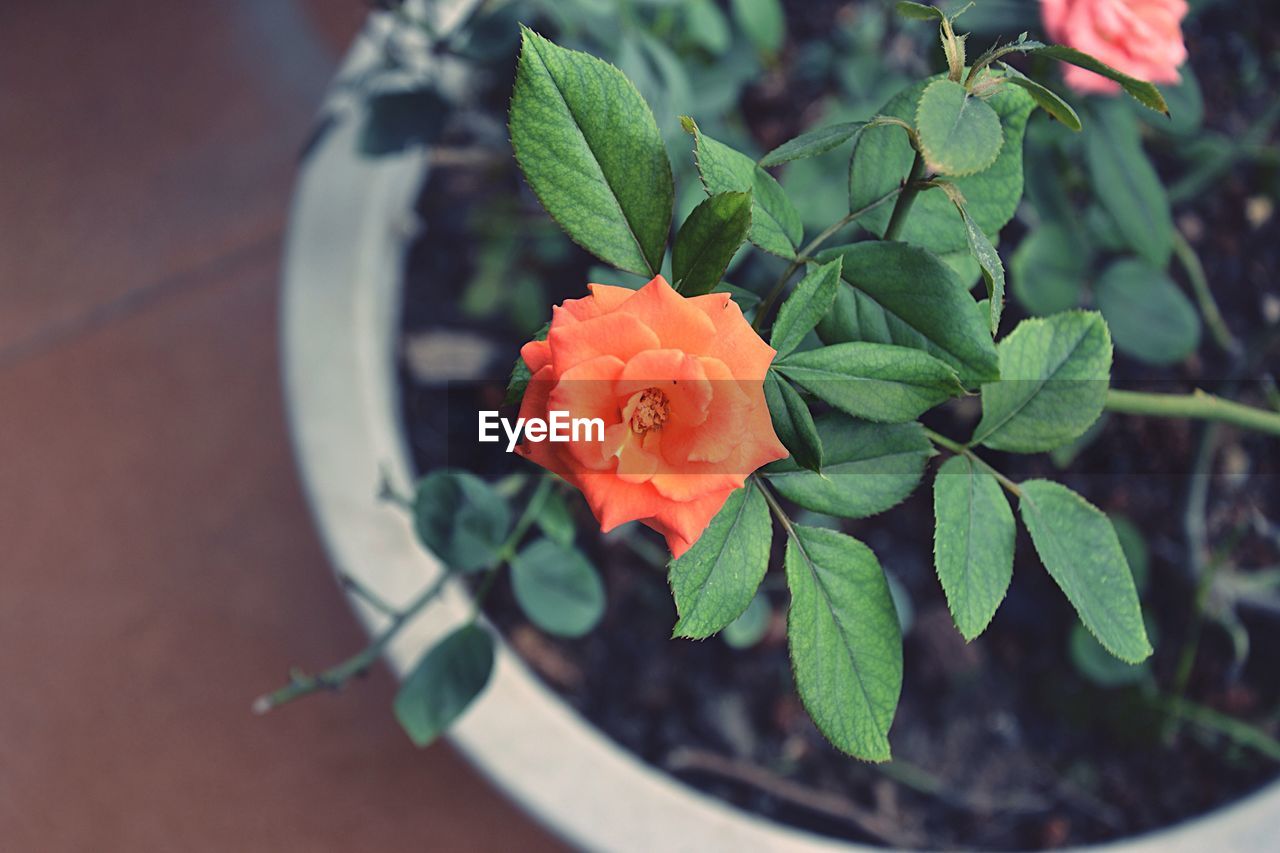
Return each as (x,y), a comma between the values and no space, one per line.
(350,225)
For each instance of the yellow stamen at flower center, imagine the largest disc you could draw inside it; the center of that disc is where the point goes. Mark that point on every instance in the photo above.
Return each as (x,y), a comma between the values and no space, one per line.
(651,412)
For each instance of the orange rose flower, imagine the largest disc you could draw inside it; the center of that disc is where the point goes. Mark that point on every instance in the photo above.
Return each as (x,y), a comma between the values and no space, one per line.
(679,385)
(1142,38)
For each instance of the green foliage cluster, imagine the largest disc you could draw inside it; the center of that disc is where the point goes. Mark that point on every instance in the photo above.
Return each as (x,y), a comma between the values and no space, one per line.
(875,334)
(879,329)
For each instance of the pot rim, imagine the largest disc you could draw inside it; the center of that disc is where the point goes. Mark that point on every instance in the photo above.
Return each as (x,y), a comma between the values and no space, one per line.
(350,225)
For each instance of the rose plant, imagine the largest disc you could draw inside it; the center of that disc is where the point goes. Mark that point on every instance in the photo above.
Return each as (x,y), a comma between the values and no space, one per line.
(714,433)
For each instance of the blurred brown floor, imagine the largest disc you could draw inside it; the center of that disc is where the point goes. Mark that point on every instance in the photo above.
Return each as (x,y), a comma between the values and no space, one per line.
(157,565)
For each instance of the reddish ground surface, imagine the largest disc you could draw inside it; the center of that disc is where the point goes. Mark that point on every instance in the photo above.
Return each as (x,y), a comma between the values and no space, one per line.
(157,566)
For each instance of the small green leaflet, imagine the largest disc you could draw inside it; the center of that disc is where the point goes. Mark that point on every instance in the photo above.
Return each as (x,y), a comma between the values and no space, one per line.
(846,643)
(1048,269)
(555,520)
(959,133)
(919,11)
(877,382)
(1079,548)
(590,149)
(1047,99)
(1126,183)
(708,240)
(793,422)
(973,539)
(557,588)
(813,143)
(883,156)
(715,580)
(707,26)
(445,681)
(520,374)
(775,223)
(987,257)
(1054,375)
(763,22)
(808,303)
(1151,319)
(1142,91)
(461,519)
(867,468)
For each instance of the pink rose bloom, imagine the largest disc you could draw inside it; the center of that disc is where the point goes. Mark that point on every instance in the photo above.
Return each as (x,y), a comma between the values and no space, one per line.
(1142,38)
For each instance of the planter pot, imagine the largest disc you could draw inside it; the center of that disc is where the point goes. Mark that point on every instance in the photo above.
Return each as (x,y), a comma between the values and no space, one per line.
(350,226)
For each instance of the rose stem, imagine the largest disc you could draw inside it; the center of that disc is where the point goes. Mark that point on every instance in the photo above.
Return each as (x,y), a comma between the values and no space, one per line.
(1198,405)
(336,677)
(804,256)
(962,450)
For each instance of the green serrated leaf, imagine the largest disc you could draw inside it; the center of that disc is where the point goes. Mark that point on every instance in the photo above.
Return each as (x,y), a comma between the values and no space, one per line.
(1186,106)
(1047,270)
(906,296)
(557,588)
(846,643)
(708,240)
(989,263)
(813,143)
(793,422)
(1126,183)
(775,223)
(1150,318)
(591,151)
(808,303)
(461,519)
(867,468)
(959,133)
(883,156)
(763,22)
(1047,99)
(1144,92)
(919,11)
(877,382)
(714,581)
(1054,375)
(1079,548)
(973,539)
(445,681)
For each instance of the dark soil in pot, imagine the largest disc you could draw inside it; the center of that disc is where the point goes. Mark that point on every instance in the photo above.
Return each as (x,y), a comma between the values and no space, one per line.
(1000,743)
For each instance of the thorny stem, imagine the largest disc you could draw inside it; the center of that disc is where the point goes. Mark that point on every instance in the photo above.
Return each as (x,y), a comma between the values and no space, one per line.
(1208,306)
(1198,405)
(508,549)
(805,254)
(776,508)
(910,189)
(956,447)
(336,677)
